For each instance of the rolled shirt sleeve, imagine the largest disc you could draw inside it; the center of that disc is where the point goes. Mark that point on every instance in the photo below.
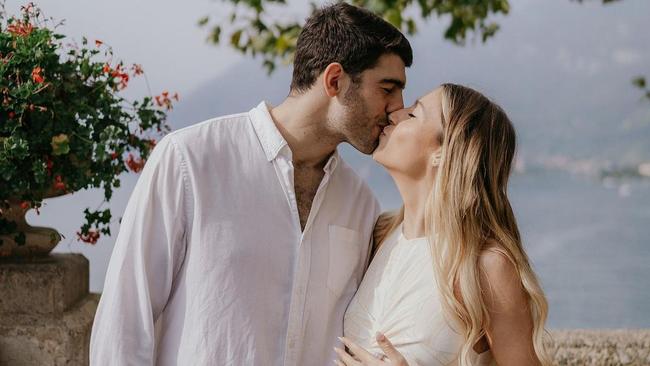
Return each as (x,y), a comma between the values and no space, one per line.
(149,251)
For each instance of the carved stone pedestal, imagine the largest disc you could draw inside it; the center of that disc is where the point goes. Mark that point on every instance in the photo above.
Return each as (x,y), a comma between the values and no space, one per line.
(46,311)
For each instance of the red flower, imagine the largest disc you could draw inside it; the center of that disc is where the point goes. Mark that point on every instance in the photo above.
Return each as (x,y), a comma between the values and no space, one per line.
(12,114)
(90,238)
(18,28)
(164,101)
(37,75)
(137,69)
(24,205)
(114,155)
(49,163)
(135,165)
(124,80)
(98,43)
(118,73)
(59,185)
(106,69)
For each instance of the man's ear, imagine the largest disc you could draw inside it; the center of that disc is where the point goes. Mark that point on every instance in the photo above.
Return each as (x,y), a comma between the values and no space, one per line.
(333,79)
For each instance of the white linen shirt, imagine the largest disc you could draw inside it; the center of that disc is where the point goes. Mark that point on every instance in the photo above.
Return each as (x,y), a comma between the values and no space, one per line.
(211,267)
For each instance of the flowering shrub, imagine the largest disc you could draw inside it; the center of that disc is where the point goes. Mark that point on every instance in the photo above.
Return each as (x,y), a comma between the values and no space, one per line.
(63,124)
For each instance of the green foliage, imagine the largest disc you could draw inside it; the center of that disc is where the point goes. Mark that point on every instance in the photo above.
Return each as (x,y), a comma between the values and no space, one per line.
(640,82)
(63,124)
(251,33)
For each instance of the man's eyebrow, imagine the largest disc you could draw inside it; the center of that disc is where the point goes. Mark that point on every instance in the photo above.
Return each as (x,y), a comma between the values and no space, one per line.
(400,84)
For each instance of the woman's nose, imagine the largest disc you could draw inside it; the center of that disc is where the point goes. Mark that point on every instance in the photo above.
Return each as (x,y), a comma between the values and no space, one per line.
(397,116)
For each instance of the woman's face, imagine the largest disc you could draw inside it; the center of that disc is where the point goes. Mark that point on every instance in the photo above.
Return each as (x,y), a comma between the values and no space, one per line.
(411,142)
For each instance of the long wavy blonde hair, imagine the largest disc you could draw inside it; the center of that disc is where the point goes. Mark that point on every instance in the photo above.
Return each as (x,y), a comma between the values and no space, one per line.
(468,210)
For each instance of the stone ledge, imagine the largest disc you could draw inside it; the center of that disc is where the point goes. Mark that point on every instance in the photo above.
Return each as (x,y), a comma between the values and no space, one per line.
(47,286)
(49,341)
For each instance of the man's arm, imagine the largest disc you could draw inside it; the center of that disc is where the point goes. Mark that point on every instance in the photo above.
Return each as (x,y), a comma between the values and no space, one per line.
(148,253)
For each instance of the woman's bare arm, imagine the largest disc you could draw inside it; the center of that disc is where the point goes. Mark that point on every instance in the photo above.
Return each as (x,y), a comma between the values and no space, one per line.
(510,329)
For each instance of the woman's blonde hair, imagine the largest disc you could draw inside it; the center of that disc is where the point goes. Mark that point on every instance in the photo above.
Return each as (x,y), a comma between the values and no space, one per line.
(468,210)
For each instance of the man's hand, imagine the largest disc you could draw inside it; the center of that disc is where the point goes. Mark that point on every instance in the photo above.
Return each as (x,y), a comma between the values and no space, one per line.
(358,356)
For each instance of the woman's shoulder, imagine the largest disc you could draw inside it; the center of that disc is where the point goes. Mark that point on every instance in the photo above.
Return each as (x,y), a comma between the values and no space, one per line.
(500,278)
(386,225)
(494,261)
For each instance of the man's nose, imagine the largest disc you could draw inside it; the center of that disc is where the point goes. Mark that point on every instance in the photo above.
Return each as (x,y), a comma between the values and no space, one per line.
(396,103)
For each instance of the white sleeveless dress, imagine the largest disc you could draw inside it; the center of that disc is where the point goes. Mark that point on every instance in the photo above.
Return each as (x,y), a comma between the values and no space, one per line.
(398,297)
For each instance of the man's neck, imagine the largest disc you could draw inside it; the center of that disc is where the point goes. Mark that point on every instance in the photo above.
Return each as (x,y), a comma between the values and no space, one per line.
(302,123)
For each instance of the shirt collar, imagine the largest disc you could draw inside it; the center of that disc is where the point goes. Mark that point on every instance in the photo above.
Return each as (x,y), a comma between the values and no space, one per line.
(268,134)
(332,162)
(272,141)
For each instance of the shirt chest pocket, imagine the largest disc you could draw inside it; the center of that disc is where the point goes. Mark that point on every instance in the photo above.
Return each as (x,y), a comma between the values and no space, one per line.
(345,248)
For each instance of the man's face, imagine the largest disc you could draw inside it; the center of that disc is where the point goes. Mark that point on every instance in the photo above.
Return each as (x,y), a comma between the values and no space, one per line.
(367,103)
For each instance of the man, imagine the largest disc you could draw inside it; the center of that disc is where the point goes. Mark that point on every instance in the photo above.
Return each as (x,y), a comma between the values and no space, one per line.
(247,235)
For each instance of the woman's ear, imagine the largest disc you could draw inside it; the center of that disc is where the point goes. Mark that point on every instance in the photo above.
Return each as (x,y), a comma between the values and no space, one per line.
(332,79)
(436,156)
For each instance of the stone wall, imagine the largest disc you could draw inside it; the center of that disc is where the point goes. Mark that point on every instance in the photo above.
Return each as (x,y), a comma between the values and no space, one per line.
(46,311)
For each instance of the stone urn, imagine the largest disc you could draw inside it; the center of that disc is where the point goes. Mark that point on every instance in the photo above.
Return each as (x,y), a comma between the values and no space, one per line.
(39,241)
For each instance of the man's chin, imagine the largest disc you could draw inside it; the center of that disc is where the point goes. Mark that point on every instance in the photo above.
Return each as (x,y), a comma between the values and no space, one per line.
(368,149)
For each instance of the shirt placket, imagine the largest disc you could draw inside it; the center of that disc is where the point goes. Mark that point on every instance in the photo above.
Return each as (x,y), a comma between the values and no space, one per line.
(303,260)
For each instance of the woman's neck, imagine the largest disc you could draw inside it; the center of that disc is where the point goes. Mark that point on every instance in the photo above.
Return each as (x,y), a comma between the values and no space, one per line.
(415,193)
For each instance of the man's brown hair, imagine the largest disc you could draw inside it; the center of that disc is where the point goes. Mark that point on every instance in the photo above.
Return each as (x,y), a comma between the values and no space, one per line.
(349,35)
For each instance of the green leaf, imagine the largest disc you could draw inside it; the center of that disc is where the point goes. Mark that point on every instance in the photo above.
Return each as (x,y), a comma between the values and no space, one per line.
(394,17)
(639,82)
(489,31)
(234,38)
(411,28)
(203,21)
(60,144)
(281,44)
(215,35)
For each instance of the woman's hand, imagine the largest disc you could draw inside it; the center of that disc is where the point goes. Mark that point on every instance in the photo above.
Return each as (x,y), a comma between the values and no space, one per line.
(361,357)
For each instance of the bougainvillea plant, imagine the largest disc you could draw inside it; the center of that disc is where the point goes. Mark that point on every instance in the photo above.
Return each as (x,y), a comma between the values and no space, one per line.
(64,125)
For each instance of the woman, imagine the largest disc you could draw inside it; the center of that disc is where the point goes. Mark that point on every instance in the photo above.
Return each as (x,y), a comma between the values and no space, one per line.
(450,283)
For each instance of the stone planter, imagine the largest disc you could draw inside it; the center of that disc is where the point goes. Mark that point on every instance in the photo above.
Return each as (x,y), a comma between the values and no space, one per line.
(39,241)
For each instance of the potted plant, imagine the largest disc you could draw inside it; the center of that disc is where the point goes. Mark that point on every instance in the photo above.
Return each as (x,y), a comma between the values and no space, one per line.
(64,126)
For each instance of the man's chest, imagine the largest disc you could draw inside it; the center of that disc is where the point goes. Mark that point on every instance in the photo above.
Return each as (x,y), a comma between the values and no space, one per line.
(306,184)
